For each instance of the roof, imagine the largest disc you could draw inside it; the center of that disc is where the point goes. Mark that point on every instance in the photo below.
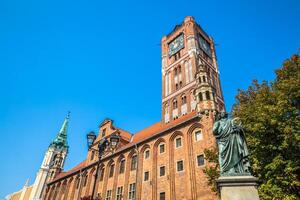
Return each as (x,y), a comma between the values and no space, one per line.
(124,134)
(159,127)
(74,169)
(136,138)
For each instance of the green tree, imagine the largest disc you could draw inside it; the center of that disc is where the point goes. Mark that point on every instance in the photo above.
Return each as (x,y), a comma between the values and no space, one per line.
(270,113)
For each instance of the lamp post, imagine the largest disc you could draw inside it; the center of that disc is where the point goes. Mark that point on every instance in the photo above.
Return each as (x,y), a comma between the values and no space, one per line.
(101,147)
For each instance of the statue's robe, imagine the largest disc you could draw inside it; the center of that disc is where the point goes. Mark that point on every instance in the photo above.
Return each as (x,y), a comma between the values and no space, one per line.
(232,147)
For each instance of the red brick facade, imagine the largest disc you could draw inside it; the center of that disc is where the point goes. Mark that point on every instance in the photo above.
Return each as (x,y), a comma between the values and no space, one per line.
(165,160)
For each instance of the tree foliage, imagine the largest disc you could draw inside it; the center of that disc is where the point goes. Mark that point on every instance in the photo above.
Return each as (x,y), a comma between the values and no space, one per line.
(270,113)
(212,171)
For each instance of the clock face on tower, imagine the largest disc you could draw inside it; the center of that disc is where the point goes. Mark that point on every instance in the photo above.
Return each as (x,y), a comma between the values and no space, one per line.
(176,45)
(204,45)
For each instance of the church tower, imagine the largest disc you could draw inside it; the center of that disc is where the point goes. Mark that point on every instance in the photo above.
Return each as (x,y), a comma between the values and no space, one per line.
(53,161)
(190,75)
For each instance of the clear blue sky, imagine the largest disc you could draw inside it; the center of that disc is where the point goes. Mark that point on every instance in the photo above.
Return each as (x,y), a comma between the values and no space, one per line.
(102,59)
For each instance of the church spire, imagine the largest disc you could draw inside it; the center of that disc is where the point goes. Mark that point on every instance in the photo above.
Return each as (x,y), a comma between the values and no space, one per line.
(61,139)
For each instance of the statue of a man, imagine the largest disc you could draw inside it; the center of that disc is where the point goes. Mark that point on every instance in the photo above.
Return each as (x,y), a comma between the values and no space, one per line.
(233,152)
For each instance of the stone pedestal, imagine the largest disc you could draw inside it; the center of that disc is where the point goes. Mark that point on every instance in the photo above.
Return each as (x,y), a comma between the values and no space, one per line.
(238,188)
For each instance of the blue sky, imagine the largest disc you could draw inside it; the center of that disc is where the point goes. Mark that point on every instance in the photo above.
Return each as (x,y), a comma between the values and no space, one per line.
(102,59)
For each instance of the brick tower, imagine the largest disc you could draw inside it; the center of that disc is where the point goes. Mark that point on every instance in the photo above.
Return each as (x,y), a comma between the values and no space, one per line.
(190,76)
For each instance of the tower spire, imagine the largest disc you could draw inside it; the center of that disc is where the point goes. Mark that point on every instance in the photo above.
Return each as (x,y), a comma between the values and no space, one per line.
(61,139)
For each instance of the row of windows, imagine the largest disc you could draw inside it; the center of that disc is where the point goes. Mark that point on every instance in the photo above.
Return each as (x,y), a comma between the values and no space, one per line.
(179,167)
(206,94)
(178,77)
(175,102)
(119,193)
(131,194)
(178,143)
(162,172)
(179,164)
(183,101)
(200,162)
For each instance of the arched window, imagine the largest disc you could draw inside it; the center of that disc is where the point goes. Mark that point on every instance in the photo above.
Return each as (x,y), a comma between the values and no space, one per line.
(183,99)
(200,96)
(147,154)
(207,95)
(134,162)
(102,174)
(198,135)
(122,166)
(111,170)
(162,148)
(178,141)
(175,104)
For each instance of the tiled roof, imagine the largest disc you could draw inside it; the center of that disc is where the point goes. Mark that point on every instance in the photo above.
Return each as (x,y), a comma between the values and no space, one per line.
(74,169)
(124,134)
(158,127)
(137,137)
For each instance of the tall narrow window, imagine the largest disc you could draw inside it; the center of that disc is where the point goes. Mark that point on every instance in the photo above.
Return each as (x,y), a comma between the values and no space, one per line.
(133,162)
(198,135)
(85,180)
(131,193)
(200,96)
(162,196)
(207,95)
(162,171)
(122,166)
(77,183)
(178,142)
(102,174)
(175,105)
(183,99)
(111,170)
(162,148)
(180,166)
(146,176)
(119,193)
(108,195)
(200,160)
(147,154)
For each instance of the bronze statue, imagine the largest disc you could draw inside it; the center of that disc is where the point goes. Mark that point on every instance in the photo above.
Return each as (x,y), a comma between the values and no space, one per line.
(233,151)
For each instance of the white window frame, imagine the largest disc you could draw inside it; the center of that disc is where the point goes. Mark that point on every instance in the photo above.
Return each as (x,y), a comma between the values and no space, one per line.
(147,150)
(164,170)
(108,195)
(119,193)
(179,137)
(182,165)
(195,135)
(160,147)
(131,191)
